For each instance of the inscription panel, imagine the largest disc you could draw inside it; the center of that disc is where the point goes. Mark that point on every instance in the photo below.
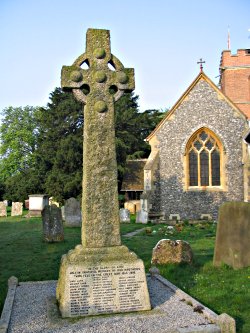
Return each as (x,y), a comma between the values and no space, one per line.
(106,289)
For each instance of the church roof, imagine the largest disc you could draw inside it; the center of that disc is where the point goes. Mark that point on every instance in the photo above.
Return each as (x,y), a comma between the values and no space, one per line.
(201,76)
(133,179)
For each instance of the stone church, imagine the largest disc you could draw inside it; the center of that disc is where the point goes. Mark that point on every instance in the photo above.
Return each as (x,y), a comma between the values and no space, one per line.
(199,157)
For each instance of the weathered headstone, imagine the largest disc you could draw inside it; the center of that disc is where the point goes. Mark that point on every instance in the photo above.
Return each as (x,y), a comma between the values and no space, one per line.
(232,246)
(72,213)
(169,251)
(3,209)
(124,215)
(142,217)
(100,275)
(52,224)
(16,209)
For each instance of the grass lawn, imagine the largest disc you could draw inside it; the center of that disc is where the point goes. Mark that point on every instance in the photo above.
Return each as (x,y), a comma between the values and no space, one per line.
(24,255)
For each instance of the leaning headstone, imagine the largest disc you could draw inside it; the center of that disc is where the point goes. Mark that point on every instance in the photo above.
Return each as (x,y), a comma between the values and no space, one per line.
(16,209)
(142,217)
(232,246)
(100,276)
(72,213)
(124,215)
(52,224)
(3,209)
(169,251)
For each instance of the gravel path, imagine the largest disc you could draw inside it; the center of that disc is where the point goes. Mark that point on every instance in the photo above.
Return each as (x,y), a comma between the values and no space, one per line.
(133,233)
(169,312)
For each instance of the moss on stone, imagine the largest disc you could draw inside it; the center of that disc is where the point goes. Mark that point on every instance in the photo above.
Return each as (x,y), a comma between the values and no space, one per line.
(101,241)
(232,245)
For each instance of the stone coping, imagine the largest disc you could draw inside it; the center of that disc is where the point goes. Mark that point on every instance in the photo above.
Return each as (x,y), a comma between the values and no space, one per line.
(130,322)
(8,305)
(224,321)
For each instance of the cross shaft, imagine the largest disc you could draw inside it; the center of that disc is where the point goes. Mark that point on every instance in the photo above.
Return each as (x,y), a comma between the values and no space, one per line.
(100,224)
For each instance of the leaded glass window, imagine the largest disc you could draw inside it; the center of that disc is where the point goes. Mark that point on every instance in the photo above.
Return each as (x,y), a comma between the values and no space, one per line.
(193,169)
(215,158)
(204,160)
(204,167)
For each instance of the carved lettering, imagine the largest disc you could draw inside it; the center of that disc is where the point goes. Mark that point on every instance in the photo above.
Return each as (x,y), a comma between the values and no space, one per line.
(105,290)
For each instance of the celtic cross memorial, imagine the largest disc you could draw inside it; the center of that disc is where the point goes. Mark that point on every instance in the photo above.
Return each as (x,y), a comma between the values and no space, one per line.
(100,276)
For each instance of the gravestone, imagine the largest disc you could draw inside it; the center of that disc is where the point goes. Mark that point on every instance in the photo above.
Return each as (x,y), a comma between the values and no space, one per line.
(72,213)
(26,203)
(124,215)
(169,251)
(101,275)
(52,224)
(232,246)
(3,209)
(142,217)
(16,209)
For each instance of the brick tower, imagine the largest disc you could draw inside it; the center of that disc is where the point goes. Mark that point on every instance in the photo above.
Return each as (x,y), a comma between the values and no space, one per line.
(235,78)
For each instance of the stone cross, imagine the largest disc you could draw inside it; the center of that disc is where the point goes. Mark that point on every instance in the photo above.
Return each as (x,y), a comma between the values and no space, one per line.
(93,87)
(100,276)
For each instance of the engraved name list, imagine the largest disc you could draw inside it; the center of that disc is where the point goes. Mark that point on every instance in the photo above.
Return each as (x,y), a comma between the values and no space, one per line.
(106,289)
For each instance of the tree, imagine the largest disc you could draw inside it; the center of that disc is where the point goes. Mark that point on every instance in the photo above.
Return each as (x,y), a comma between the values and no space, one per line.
(19,186)
(18,135)
(2,191)
(43,147)
(19,132)
(60,142)
(59,153)
(132,127)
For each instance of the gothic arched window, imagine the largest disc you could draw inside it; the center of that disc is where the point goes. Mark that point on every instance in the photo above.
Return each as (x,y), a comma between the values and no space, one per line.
(204,160)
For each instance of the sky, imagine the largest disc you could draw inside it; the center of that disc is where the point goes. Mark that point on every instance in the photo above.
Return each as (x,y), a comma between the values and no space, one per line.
(161,39)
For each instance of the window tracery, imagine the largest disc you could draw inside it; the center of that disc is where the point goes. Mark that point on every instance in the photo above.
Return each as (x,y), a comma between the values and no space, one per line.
(204,160)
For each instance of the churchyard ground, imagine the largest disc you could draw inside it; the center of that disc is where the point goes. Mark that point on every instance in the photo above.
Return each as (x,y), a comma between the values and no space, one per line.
(24,255)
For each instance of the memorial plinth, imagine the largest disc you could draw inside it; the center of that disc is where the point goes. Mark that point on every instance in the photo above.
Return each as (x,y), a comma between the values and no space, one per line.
(100,276)
(102,281)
